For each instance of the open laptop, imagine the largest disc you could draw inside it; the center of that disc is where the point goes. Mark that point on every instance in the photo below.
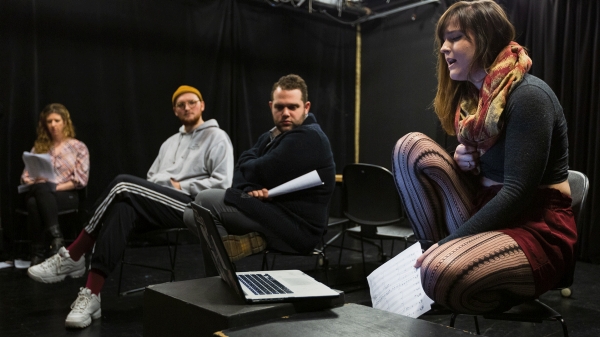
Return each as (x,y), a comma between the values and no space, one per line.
(258,286)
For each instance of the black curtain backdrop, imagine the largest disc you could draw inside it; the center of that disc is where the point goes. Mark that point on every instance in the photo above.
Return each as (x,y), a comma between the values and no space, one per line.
(115,64)
(398,82)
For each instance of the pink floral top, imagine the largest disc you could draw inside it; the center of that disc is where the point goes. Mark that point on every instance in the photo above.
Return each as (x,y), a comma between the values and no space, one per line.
(71,163)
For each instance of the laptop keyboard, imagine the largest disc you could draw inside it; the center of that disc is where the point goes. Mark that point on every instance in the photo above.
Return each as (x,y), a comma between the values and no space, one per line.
(261,284)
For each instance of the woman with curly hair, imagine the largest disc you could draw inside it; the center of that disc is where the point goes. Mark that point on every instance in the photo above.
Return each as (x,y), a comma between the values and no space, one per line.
(71,162)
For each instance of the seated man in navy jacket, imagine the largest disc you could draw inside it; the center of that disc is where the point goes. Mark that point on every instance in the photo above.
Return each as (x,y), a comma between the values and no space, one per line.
(247,218)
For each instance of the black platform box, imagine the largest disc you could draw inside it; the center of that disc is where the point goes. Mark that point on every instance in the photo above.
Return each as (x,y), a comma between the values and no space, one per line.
(203,306)
(348,320)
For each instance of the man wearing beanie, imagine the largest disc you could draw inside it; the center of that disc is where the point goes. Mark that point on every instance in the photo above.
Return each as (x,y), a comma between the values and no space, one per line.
(198,157)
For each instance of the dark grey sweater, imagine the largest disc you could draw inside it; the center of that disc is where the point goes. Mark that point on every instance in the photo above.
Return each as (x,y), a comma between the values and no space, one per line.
(533,150)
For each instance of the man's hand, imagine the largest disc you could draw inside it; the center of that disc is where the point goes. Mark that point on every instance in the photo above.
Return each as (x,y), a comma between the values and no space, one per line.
(424,255)
(466,157)
(261,194)
(175,184)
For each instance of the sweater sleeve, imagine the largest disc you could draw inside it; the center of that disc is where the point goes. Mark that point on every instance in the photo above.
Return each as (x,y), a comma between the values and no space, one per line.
(81,173)
(157,161)
(240,177)
(293,154)
(530,117)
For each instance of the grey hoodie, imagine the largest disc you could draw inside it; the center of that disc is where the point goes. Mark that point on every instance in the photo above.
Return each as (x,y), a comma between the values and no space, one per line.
(198,160)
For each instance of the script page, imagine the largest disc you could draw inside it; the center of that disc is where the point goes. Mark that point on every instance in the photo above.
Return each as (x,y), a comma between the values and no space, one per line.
(396,285)
(308,180)
(38,166)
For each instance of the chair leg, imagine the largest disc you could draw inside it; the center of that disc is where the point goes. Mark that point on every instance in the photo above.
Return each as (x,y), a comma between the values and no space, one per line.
(273,262)
(453,319)
(330,241)
(265,263)
(321,255)
(476,325)
(121,272)
(322,261)
(362,246)
(564,326)
(172,260)
(341,248)
(172,257)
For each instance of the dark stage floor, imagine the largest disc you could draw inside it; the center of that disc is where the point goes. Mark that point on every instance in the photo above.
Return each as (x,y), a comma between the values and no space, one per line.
(28,308)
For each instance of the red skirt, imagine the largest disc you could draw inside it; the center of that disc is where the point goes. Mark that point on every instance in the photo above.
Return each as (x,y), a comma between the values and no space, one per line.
(545,231)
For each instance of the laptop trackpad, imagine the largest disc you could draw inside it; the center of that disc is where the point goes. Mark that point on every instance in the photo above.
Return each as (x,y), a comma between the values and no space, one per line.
(297,281)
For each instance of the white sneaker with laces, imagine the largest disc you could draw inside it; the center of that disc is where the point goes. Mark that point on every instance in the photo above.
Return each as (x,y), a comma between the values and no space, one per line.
(85,308)
(57,267)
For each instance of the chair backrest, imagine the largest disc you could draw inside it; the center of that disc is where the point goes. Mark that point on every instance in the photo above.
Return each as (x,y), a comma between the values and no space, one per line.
(370,195)
(580,185)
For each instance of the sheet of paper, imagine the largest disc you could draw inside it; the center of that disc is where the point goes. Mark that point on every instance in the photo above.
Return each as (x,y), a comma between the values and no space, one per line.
(7,264)
(396,285)
(311,179)
(39,165)
(22,264)
(24,188)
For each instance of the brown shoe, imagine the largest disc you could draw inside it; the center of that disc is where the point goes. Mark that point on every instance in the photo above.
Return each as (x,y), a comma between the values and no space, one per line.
(240,246)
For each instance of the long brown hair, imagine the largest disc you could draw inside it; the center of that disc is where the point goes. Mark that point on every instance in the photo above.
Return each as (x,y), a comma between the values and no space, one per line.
(486,23)
(44,140)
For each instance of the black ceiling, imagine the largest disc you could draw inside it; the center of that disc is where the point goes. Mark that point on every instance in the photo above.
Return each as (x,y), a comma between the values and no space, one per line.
(351,11)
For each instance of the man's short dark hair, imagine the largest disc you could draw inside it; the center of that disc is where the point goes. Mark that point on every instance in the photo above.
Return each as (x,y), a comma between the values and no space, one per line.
(291,82)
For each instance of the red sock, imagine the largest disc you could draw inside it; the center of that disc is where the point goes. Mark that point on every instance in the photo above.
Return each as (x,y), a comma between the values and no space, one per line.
(95,281)
(83,244)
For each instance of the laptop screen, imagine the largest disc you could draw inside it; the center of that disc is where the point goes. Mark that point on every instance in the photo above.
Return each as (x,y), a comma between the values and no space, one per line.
(211,235)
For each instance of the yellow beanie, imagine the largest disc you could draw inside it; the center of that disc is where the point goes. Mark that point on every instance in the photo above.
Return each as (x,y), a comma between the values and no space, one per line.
(183,89)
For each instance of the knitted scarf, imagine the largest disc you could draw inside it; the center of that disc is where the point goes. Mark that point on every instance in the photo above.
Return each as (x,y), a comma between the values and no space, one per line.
(481,126)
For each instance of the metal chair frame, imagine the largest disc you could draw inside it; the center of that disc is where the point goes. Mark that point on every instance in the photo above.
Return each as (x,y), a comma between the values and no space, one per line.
(321,261)
(171,248)
(372,202)
(71,211)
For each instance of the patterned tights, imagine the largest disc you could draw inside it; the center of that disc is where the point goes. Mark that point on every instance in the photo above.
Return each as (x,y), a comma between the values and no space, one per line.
(475,274)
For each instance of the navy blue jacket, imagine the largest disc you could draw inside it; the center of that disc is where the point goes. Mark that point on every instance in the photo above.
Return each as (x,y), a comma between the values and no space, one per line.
(298,218)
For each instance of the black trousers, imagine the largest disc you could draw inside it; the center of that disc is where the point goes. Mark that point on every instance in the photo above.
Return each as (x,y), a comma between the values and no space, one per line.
(130,203)
(229,220)
(43,203)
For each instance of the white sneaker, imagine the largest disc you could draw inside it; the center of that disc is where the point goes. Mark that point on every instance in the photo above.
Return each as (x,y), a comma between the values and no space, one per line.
(57,267)
(85,308)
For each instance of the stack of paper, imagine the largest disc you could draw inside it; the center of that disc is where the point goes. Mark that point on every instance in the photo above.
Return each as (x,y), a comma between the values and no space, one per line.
(38,166)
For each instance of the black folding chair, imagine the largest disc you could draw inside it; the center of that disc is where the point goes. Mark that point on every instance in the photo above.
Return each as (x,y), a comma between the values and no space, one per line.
(372,202)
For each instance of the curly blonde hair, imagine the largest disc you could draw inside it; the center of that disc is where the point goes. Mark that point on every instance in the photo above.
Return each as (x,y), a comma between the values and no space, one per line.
(44,140)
